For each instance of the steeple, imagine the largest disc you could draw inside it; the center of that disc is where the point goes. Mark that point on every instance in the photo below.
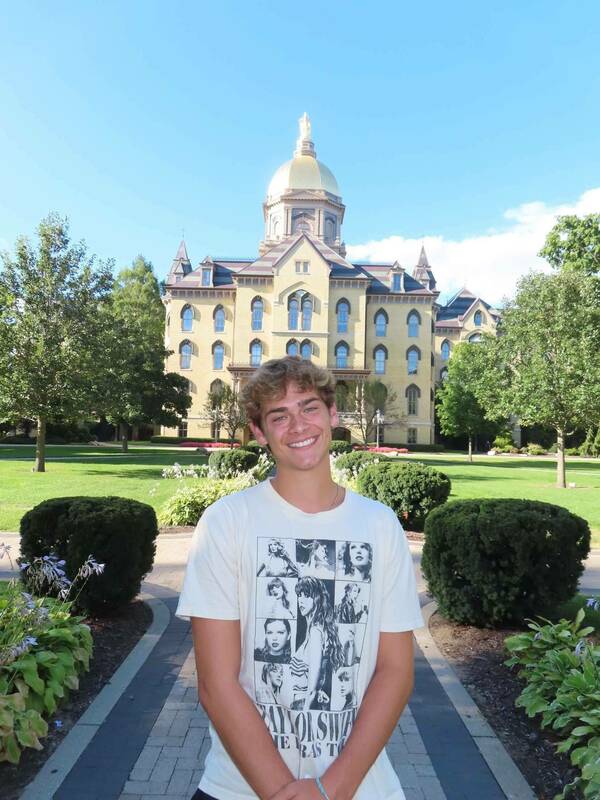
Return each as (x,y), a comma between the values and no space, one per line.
(423,272)
(181,263)
(304,144)
(423,261)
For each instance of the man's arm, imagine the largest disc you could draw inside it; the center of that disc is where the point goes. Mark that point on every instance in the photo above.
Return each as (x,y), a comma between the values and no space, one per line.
(384,700)
(232,713)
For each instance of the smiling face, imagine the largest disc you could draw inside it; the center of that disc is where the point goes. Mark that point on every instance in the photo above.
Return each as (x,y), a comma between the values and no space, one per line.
(359,554)
(276,636)
(305,604)
(297,429)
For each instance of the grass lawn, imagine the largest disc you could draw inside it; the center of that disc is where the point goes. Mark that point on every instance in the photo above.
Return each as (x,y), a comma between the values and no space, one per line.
(85,470)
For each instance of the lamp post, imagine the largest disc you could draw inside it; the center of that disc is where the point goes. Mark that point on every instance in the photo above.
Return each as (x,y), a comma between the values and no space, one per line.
(379,419)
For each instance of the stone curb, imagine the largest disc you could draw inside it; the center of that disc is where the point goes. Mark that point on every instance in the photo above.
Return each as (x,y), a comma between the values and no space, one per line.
(503,768)
(62,761)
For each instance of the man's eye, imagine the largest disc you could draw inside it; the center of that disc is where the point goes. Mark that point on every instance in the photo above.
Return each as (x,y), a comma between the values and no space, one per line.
(310,409)
(280,418)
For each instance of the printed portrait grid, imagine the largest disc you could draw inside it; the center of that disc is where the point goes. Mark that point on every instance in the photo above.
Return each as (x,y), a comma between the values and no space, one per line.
(312,606)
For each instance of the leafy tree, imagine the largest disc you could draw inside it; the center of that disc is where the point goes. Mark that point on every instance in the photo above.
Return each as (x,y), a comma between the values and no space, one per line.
(224,408)
(53,330)
(574,244)
(459,410)
(364,399)
(139,390)
(545,365)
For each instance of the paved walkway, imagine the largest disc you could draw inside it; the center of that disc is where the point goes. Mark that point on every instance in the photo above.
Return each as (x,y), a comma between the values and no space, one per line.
(146,737)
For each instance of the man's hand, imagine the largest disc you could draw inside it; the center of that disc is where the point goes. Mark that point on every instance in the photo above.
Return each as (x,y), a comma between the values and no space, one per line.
(304,789)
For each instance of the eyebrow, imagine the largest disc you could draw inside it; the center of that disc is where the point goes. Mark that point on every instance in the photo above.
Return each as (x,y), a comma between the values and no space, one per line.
(302,404)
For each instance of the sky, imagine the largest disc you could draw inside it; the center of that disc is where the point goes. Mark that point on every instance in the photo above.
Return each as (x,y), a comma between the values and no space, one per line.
(463,126)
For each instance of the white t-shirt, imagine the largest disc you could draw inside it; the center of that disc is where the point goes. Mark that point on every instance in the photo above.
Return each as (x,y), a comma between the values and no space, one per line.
(342,576)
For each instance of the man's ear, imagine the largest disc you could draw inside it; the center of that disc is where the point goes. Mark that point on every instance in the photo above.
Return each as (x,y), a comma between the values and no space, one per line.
(334,416)
(257,433)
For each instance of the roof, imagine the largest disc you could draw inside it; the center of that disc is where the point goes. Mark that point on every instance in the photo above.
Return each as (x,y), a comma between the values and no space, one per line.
(458,307)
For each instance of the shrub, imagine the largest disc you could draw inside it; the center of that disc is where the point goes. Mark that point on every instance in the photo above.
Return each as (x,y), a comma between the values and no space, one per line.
(504,444)
(228,463)
(118,532)
(188,504)
(535,449)
(20,439)
(182,439)
(572,451)
(488,562)
(254,447)
(412,490)
(356,459)
(338,446)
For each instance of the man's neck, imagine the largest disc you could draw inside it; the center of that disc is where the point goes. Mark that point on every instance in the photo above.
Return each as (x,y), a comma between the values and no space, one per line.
(310,491)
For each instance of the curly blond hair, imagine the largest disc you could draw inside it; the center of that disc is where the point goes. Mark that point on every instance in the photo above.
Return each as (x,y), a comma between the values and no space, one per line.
(272,379)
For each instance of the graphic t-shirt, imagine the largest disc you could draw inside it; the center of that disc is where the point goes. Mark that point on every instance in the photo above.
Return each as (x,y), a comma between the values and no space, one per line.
(312,593)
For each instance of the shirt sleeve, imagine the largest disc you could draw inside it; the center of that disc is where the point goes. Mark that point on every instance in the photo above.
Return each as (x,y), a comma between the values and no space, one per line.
(210,587)
(400,610)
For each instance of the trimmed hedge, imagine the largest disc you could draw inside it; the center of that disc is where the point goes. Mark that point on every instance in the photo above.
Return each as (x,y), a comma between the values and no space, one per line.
(355,459)
(118,532)
(183,439)
(338,446)
(254,447)
(228,462)
(488,562)
(411,489)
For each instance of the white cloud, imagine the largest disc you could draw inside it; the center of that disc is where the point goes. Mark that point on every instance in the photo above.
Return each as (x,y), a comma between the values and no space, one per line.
(489,264)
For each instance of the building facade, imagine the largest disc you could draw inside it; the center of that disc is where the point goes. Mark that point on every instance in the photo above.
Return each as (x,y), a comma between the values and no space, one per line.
(301,296)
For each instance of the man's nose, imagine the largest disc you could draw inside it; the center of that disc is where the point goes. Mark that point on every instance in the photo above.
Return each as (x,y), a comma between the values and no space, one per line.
(297,422)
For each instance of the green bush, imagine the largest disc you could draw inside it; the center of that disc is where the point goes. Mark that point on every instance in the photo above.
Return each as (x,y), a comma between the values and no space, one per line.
(488,562)
(188,504)
(572,451)
(503,444)
(227,463)
(254,447)
(183,439)
(338,446)
(357,459)
(17,439)
(411,489)
(118,532)
(535,449)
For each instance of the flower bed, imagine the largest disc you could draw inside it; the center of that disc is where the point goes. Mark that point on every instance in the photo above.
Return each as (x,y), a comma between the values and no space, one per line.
(208,445)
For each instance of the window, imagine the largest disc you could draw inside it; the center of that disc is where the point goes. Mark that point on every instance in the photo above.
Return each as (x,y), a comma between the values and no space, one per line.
(445,350)
(412,400)
(342,396)
(380,356)
(255,353)
(257,314)
(412,436)
(443,373)
(477,319)
(182,429)
(306,349)
(343,311)
(413,355)
(218,354)
(185,355)
(307,308)
(293,313)
(414,321)
(396,282)
(206,277)
(298,266)
(305,266)
(341,355)
(381,321)
(187,318)
(219,317)
(292,348)
(475,337)
(217,386)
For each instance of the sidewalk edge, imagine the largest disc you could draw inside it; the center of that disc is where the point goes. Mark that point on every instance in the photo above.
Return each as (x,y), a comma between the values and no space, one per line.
(505,771)
(63,759)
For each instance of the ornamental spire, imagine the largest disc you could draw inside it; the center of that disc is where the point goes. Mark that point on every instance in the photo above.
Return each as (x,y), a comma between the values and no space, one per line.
(304,143)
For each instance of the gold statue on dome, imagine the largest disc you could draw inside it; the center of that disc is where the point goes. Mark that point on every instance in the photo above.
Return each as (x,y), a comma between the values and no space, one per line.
(305,127)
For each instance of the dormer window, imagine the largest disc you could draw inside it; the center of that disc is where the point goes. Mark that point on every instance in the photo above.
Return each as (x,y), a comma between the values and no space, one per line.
(206,276)
(478,318)
(396,282)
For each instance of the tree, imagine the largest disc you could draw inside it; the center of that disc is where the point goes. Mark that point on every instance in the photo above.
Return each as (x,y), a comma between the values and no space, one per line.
(139,390)
(53,330)
(459,411)
(224,408)
(364,399)
(573,244)
(545,365)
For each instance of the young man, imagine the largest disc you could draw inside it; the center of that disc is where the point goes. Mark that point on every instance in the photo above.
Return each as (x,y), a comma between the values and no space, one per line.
(308,743)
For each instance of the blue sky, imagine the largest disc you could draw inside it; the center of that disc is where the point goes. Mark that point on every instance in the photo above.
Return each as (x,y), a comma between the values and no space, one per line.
(467,126)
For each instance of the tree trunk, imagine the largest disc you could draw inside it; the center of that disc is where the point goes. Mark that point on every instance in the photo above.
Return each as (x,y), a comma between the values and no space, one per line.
(561,482)
(40,447)
(124,442)
(135,433)
(470,449)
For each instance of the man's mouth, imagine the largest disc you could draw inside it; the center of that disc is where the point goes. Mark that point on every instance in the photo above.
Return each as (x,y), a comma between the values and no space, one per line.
(303,443)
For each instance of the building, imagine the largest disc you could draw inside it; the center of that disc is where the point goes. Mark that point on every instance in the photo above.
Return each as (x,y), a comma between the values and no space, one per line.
(301,296)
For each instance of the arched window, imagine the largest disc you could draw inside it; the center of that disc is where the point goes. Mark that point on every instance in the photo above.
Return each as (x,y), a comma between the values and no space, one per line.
(381,321)
(216,387)
(341,355)
(412,399)
(341,396)
(477,319)
(413,321)
(187,318)
(255,353)
(185,355)
(293,306)
(292,348)
(218,352)
(380,356)
(413,356)
(445,350)
(474,338)
(257,307)
(306,349)
(343,312)
(219,318)
(443,373)
(307,308)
